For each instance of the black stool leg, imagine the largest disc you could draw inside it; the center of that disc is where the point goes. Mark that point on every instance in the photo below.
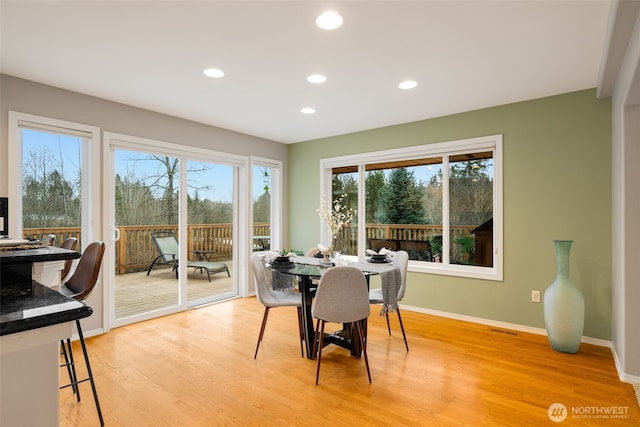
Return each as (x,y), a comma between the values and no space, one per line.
(86,359)
(71,367)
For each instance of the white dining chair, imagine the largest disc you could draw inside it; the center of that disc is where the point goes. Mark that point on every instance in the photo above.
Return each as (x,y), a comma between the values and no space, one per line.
(401,260)
(271,298)
(342,297)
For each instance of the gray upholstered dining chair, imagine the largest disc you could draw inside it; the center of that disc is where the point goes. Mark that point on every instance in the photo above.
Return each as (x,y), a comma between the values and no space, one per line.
(400,260)
(271,298)
(342,297)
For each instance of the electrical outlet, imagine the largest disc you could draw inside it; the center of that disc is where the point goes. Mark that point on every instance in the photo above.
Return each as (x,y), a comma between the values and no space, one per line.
(535,296)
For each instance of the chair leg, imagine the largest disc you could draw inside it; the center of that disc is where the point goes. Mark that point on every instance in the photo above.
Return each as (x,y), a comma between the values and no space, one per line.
(320,344)
(402,328)
(264,323)
(152,263)
(86,360)
(315,340)
(300,330)
(71,367)
(358,327)
(388,326)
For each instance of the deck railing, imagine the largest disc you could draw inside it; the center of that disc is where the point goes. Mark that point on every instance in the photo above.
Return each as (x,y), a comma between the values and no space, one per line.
(135,249)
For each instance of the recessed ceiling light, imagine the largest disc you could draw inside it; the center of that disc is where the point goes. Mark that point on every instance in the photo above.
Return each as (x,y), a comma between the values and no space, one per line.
(329,21)
(408,84)
(214,73)
(308,110)
(316,78)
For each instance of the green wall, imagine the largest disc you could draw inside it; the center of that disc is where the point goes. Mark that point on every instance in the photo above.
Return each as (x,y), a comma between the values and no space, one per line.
(557,185)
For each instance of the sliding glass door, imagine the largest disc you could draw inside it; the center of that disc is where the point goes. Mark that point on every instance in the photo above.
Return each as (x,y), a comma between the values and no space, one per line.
(174,228)
(146,217)
(210,221)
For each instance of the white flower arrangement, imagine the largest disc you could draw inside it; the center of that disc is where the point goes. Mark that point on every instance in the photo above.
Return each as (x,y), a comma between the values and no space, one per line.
(336,217)
(325,250)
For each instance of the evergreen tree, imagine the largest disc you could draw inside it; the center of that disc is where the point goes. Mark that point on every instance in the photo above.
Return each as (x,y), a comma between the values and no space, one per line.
(402,199)
(374,183)
(346,183)
(262,208)
(433,199)
(471,192)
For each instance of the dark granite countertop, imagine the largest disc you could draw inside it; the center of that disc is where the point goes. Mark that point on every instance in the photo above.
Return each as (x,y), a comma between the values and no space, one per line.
(45,307)
(48,253)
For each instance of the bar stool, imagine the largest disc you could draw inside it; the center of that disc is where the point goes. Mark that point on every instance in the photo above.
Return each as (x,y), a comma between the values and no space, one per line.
(79,287)
(48,240)
(70,243)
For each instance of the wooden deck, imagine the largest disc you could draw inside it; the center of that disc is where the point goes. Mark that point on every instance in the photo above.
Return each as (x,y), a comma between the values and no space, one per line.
(138,293)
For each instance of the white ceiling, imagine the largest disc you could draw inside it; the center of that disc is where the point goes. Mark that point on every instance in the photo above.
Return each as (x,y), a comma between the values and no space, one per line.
(465,55)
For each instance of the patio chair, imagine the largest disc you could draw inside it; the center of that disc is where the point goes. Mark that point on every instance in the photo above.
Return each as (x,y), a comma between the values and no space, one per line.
(167,245)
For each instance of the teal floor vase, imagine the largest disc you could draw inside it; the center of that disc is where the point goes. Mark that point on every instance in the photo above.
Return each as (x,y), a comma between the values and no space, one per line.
(563,305)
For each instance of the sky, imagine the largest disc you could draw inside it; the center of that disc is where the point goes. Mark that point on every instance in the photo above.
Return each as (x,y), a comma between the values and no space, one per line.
(66,150)
(213,181)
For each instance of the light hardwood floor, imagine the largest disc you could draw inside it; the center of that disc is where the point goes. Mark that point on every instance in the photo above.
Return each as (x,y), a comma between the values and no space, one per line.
(196,368)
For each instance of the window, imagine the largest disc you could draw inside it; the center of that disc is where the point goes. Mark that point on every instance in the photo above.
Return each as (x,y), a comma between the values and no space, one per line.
(442,203)
(52,177)
(266,209)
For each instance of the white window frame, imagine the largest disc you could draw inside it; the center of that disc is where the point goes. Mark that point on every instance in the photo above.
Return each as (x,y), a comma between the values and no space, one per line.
(440,149)
(90,162)
(276,197)
(182,153)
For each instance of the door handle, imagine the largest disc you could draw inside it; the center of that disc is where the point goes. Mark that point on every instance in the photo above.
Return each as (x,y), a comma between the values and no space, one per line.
(116,234)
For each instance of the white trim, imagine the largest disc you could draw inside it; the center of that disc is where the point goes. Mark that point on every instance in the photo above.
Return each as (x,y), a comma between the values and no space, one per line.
(498,324)
(415,152)
(275,214)
(90,162)
(277,191)
(128,142)
(115,141)
(64,128)
(627,378)
(440,149)
(91,220)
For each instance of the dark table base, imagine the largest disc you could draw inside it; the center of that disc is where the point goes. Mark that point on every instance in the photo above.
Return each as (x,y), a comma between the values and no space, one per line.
(342,338)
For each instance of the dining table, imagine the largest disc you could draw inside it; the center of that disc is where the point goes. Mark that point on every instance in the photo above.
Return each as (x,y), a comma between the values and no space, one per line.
(309,269)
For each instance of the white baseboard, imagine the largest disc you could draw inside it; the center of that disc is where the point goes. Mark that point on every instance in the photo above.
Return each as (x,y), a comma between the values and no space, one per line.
(498,324)
(627,378)
(87,334)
